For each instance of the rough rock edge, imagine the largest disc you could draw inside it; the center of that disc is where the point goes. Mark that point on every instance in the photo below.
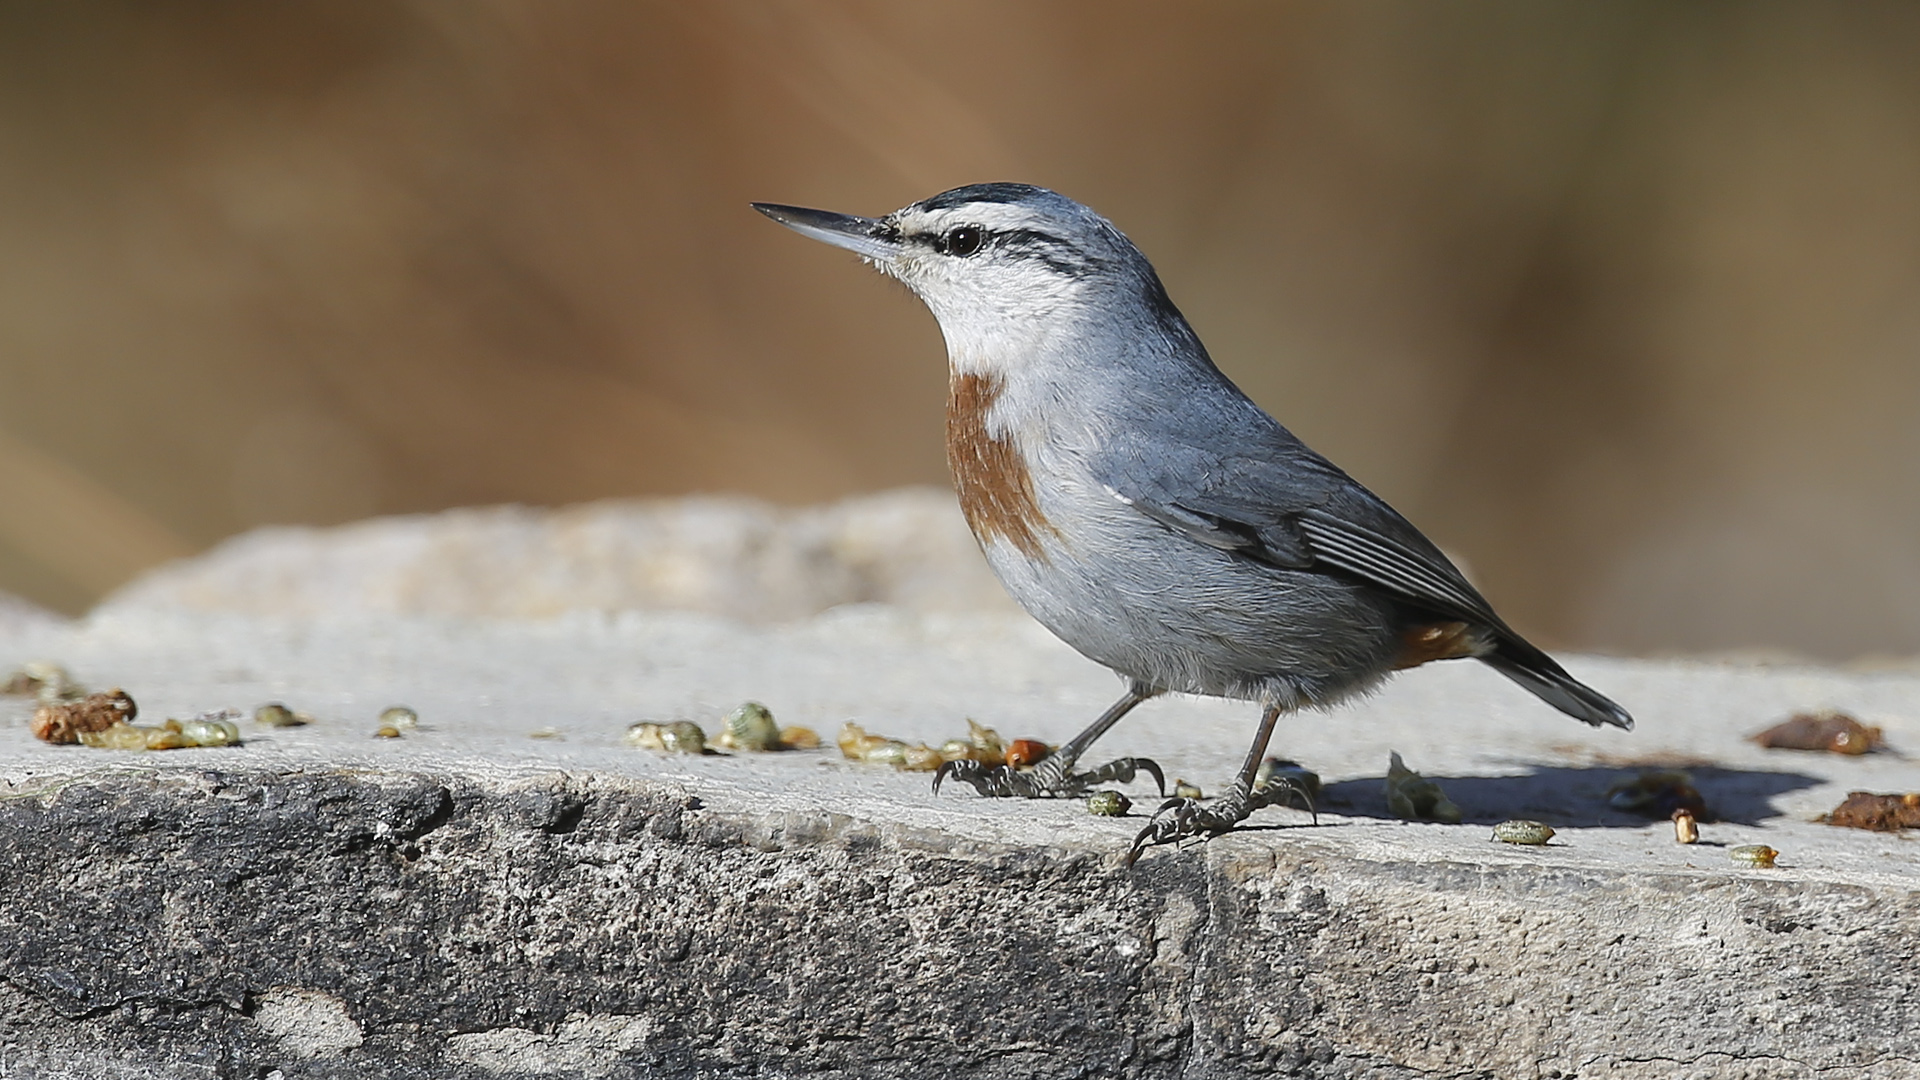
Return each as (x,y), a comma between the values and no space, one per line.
(144,919)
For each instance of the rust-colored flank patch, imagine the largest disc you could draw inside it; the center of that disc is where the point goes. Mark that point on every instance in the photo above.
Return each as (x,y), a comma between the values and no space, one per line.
(996,491)
(1435,641)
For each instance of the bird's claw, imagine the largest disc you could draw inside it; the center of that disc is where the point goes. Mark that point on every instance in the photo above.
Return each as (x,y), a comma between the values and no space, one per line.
(1183,819)
(1051,778)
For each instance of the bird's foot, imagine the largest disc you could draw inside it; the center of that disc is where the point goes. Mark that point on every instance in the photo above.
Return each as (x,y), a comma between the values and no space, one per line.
(1184,819)
(1052,778)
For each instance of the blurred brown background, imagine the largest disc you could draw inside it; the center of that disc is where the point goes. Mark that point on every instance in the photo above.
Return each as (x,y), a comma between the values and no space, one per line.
(1620,302)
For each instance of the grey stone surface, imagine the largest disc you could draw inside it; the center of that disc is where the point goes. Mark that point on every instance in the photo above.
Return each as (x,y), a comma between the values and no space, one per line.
(17,615)
(724,555)
(472,902)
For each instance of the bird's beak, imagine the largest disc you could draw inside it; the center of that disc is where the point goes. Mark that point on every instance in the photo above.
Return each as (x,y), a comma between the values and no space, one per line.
(867,237)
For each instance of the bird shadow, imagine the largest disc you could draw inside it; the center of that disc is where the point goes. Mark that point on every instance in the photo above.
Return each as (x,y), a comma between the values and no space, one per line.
(1575,796)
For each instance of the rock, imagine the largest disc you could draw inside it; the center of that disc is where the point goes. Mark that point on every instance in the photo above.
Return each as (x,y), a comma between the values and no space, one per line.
(328,923)
(17,615)
(468,902)
(731,556)
(475,903)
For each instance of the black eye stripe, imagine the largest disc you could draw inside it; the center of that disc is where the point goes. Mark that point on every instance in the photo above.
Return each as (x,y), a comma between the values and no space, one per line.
(1055,252)
(1058,255)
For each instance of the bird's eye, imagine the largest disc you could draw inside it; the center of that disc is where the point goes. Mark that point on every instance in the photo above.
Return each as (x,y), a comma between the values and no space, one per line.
(964,239)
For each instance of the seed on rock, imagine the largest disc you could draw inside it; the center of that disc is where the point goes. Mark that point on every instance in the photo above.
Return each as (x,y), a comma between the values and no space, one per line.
(399,716)
(1829,730)
(1410,795)
(1108,804)
(981,744)
(127,737)
(988,749)
(799,738)
(1685,829)
(1184,790)
(386,731)
(679,737)
(65,722)
(211,729)
(855,741)
(1519,831)
(749,727)
(1025,753)
(859,744)
(274,714)
(884,752)
(1758,855)
(1880,813)
(921,759)
(684,737)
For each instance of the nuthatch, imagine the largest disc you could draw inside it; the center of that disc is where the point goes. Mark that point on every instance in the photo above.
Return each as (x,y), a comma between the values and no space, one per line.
(1141,507)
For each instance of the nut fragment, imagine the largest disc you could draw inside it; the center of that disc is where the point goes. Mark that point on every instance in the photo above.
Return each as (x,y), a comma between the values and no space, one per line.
(399,716)
(856,742)
(1520,831)
(799,738)
(131,737)
(1025,753)
(1685,829)
(1758,855)
(1828,729)
(884,751)
(65,722)
(210,729)
(213,729)
(921,758)
(981,744)
(1410,795)
(1108,804)
(274,714)
(386,731)
(679,737)
(860,745)
(1184,790)
(1880,813)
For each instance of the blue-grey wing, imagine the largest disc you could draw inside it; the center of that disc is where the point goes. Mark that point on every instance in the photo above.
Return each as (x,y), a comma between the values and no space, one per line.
(1291,507)
(1284,505)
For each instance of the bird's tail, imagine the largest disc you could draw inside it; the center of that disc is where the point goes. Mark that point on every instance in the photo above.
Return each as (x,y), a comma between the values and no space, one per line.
(1550,682)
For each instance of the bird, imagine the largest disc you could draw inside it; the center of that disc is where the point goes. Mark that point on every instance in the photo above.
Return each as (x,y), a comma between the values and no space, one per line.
(1145,510)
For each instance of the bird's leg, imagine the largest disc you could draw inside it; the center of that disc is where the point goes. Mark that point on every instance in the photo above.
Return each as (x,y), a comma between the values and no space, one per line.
(1178,819)
(1054,775)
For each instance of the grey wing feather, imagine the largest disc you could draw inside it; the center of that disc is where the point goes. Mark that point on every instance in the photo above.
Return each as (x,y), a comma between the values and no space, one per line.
(1427,581)
(1211,499)
(1295,509)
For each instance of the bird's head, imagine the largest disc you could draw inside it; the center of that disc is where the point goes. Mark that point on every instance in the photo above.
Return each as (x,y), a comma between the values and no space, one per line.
(1001,266)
